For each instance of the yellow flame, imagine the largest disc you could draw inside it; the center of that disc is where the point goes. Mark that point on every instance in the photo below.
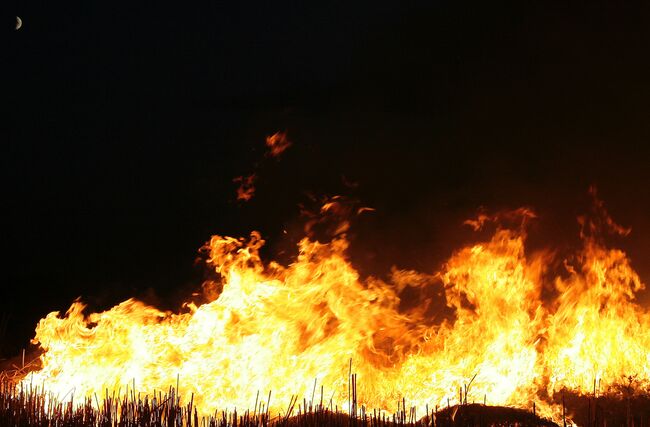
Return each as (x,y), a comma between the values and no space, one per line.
(279,328)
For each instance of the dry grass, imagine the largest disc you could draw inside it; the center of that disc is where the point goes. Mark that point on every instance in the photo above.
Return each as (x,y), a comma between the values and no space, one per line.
(27,406)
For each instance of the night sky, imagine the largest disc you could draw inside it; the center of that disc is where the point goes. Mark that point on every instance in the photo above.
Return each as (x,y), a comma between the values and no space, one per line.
(124,124)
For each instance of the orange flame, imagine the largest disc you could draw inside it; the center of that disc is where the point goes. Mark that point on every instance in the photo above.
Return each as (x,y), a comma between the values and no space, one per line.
(279,328)
(277,144)
(246,188)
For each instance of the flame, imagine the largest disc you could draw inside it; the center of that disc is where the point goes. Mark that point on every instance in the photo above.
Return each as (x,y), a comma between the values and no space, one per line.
(271,327)
(599,339)
(277,144)
(246,188)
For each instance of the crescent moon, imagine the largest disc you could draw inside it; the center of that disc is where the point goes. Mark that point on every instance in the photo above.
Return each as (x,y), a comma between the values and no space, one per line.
(19,22)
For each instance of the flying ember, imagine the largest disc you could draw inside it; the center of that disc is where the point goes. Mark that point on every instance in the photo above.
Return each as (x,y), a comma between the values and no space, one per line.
(280,328)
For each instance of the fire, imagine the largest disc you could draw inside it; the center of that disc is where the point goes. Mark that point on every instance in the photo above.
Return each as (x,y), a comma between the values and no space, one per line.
(598,337)
(280,328)
(246,187)
(277,144)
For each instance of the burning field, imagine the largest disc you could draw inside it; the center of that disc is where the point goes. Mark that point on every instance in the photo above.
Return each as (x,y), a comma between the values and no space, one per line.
(315,336)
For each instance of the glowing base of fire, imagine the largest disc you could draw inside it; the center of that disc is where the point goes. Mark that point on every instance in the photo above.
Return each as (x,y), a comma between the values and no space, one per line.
(21,406)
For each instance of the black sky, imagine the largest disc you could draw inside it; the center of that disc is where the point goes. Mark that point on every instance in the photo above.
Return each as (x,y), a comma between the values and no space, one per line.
(124,124)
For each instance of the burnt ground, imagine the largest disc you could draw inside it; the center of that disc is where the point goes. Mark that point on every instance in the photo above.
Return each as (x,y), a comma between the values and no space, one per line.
(482,415)
(623,409)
